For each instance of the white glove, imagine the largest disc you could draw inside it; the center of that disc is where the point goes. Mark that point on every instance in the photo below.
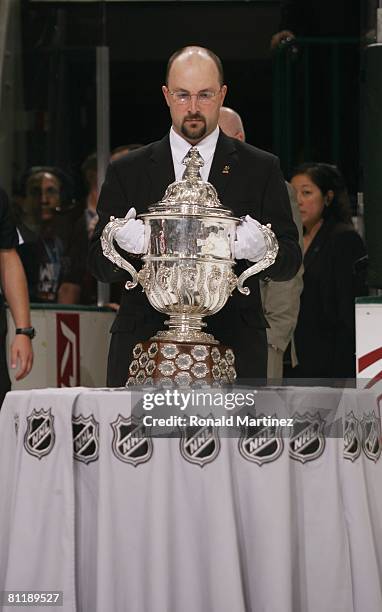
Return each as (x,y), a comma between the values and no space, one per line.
(249,243)
(131,237)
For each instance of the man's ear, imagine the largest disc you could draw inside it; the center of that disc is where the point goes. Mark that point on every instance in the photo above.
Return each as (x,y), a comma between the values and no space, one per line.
(223,92)
(166,94)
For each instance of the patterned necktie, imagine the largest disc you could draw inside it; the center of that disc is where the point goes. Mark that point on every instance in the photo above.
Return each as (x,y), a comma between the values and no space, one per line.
(194,156)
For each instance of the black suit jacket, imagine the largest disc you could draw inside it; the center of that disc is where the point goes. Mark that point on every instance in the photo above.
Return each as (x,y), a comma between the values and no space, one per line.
(253,185)
(333,278)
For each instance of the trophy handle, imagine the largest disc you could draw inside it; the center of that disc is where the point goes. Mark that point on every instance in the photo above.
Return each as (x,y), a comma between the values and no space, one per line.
(268,259)
(109,250)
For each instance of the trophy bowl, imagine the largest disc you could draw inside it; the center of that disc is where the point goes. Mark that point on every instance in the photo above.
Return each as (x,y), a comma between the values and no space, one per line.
(187,274)
(187,270)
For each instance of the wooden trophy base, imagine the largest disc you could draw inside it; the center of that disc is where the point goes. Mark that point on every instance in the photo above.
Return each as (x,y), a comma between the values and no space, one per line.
(181,364)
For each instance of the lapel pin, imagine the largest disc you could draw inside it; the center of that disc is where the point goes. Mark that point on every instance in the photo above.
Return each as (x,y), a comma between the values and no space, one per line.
(226,170)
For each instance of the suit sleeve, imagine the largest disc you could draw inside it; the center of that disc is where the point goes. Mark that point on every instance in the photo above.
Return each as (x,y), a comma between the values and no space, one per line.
(280,312)
(276,210)
(112,202)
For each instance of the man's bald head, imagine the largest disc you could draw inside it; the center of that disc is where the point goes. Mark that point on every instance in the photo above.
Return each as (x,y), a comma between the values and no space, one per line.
(194,92)
(231,124)
(190,52)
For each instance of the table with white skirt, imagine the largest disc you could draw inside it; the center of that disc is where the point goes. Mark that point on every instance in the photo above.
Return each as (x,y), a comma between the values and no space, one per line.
(270,520)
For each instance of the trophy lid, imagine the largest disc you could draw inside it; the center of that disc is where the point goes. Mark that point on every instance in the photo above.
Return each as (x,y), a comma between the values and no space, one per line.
(191,195)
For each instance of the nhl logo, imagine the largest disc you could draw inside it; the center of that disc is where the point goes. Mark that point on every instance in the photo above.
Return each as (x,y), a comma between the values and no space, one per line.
(261,444)
(307,440)
(85,438)
(371,436)
(131,442)
(39,437)
(352,437)
(200,445)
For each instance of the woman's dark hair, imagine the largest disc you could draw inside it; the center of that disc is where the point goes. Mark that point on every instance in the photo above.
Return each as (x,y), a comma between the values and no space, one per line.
(328,178)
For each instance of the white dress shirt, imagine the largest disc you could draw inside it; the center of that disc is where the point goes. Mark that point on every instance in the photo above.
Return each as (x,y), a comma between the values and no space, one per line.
(180,147)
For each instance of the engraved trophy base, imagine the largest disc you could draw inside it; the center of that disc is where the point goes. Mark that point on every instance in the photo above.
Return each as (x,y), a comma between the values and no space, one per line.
(157,361)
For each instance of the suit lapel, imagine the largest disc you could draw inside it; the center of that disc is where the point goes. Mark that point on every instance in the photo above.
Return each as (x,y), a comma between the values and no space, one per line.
(223,163)
(317,243)
(161,169)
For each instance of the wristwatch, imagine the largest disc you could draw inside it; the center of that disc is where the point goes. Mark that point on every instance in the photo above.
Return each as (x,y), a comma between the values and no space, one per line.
(26,331)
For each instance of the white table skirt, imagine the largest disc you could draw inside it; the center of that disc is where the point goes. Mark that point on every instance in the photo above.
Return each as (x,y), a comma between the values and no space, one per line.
(155,532)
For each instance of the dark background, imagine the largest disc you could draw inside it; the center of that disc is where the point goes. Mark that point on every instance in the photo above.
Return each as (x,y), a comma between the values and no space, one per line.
(59,61)
(59,41)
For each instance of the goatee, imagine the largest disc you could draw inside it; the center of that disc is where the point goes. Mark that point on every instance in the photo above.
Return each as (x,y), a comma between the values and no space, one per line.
(195,133)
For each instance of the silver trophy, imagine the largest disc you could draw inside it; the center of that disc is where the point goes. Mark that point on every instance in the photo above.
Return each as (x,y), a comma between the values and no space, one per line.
(187,275)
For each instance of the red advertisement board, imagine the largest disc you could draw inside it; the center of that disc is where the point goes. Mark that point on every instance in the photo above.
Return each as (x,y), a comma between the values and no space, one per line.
(68,349)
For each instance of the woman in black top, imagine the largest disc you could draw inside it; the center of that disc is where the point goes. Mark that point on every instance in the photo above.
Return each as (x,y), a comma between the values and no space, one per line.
(333,255)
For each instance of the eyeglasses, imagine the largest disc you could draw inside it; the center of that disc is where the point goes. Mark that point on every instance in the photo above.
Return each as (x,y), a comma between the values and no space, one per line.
(203,97)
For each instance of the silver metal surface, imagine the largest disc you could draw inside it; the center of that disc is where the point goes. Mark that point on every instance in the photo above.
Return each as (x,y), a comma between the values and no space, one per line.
(268,259)
(109,250)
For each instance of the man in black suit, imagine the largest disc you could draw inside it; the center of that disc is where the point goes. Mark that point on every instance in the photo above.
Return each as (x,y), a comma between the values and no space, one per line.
(247,180)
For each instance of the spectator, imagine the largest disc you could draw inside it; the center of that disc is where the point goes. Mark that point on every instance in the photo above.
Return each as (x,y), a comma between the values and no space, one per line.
(231,123)
(43,232)
(78,285)
(325,332)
